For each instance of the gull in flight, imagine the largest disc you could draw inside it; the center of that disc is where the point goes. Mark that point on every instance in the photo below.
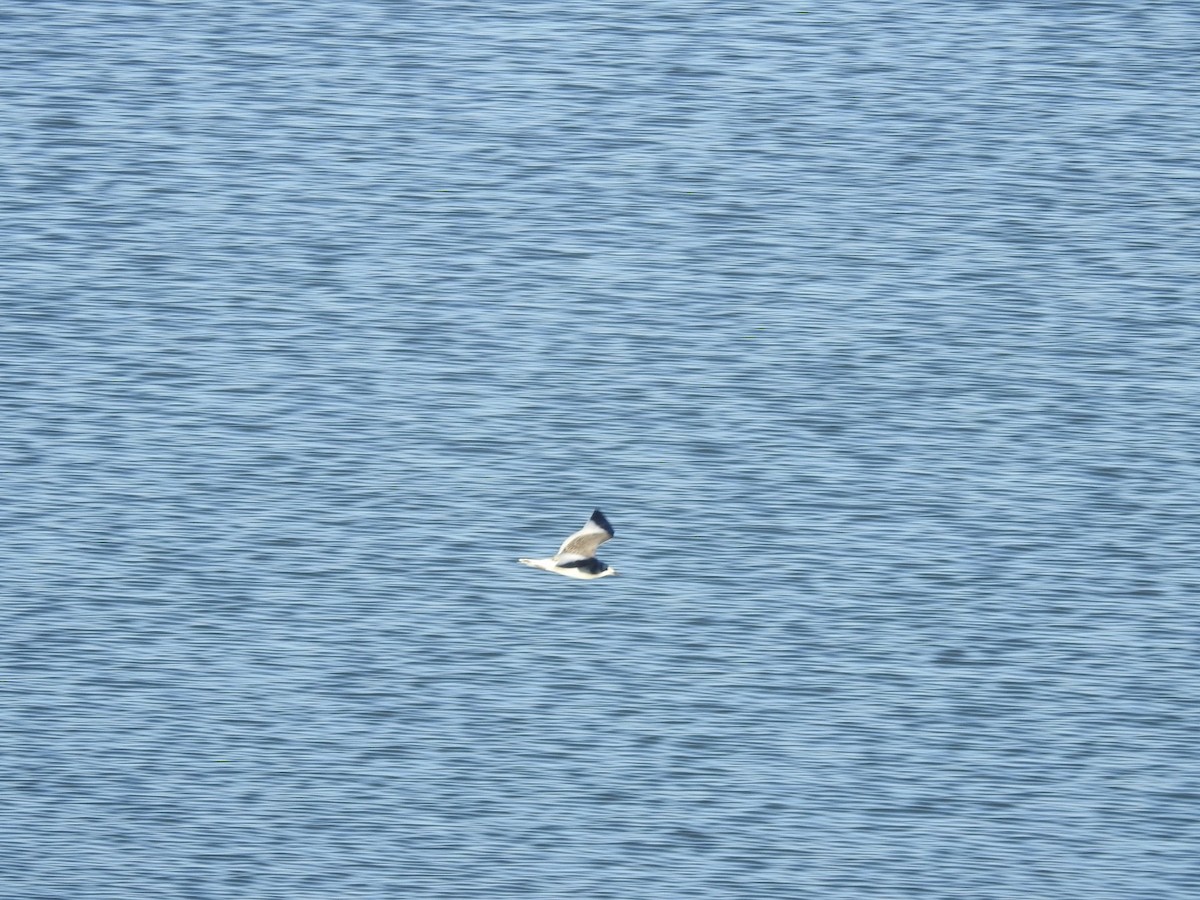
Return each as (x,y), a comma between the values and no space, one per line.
(576,558)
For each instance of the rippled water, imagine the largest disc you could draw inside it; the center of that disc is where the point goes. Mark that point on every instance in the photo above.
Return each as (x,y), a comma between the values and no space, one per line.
(873,329)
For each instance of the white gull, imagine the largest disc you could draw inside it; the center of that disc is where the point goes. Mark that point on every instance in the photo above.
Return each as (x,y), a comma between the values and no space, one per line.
(576,558)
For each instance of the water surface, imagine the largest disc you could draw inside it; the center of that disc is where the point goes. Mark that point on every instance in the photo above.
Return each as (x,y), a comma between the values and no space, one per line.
(873,329)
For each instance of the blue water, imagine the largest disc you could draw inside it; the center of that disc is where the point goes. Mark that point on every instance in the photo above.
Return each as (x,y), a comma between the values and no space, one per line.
(873,328)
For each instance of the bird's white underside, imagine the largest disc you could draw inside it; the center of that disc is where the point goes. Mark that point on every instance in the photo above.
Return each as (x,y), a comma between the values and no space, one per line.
(550,566)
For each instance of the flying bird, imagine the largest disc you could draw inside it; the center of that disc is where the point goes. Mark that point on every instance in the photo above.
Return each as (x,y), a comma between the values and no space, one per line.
(576,558)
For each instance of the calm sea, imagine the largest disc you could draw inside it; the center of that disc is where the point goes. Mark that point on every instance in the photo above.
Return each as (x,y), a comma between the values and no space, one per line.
(873,328)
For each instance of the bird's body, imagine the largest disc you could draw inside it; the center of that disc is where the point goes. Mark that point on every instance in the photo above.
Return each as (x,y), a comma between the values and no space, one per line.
(576,558)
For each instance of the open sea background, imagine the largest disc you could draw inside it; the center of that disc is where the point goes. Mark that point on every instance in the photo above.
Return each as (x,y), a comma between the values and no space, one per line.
(873,327)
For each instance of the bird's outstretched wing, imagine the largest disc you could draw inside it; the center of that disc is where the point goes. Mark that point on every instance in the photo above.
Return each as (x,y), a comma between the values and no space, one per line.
(583,543)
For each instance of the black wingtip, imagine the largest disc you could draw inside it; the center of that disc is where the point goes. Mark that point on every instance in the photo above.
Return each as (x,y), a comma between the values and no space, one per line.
(591,565)
(599,519)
